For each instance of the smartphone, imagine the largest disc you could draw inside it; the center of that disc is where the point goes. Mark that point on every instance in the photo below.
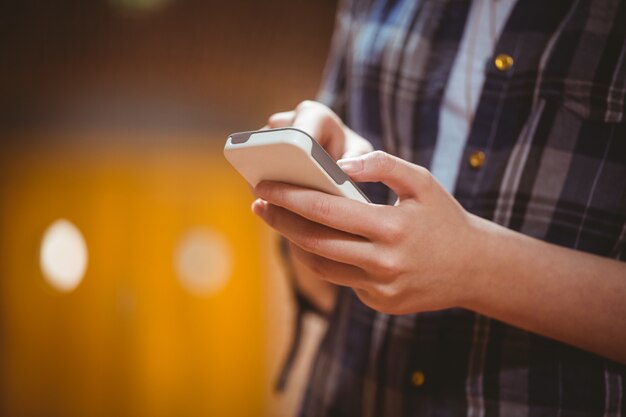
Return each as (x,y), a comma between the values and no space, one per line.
(291,156)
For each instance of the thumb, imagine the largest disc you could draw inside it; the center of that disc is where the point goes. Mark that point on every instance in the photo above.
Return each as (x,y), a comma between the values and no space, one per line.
(405,179)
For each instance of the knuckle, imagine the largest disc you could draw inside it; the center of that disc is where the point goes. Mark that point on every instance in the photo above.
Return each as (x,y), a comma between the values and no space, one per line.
(384,292)
(387,267)
(426,178)
(377,155)
(382,161)
(322,207)
(394,230)
(380,298)
(390,298)
(369,298)
(311,241)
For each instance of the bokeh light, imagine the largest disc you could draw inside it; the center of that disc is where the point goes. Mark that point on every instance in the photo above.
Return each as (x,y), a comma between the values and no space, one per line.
(114,117)
(203,261)
(63,255)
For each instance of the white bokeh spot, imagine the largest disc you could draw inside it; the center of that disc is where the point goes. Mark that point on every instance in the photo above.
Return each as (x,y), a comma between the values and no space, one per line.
(63,255)
(203,261)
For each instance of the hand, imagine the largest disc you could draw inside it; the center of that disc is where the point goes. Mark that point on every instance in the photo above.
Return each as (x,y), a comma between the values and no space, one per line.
(411,257)
(340,142)
(427,253)
(324,126)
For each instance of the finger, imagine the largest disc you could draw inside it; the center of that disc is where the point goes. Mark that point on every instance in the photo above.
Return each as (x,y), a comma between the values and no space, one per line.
(355,145)
(405,179)
(315,238)
(282,119)
(339,213)
(321,124)
(334,272)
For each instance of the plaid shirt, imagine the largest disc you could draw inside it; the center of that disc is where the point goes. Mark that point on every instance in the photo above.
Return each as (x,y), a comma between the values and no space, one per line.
(553,131)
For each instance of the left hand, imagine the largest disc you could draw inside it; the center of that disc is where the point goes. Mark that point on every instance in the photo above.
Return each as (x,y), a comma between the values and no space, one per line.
(322,124)
(414,256)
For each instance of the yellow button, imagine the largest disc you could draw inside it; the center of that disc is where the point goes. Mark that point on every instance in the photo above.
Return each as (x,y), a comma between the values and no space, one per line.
(418,378)
(477,159)
(503,62)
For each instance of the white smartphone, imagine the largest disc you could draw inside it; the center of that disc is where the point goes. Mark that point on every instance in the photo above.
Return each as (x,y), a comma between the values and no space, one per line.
(291,156)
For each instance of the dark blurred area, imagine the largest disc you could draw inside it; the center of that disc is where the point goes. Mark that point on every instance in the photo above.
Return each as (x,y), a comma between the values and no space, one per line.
(134,281)
(154,64)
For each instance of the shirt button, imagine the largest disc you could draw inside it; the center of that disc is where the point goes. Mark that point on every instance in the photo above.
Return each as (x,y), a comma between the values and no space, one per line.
(503,62)
(477,159)
(418,378)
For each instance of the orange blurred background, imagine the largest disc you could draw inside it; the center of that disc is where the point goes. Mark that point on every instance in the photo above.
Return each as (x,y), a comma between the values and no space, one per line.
(134,280)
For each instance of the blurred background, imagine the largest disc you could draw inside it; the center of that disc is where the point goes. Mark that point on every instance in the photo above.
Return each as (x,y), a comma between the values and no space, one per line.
(134,280)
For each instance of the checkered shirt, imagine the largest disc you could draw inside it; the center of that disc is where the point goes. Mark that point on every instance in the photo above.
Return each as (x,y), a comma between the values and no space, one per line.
(553,132)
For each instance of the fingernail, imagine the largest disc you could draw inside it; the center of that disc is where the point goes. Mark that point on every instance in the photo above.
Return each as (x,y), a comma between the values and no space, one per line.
(351,165)
(259,206)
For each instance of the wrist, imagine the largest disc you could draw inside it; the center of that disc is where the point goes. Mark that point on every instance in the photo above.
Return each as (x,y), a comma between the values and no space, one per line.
(480,263)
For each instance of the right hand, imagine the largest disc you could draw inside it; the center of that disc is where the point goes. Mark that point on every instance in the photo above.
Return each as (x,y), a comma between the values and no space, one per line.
(321,123)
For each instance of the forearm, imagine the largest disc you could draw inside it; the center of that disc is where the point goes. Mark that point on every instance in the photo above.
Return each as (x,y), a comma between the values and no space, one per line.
(567,295)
